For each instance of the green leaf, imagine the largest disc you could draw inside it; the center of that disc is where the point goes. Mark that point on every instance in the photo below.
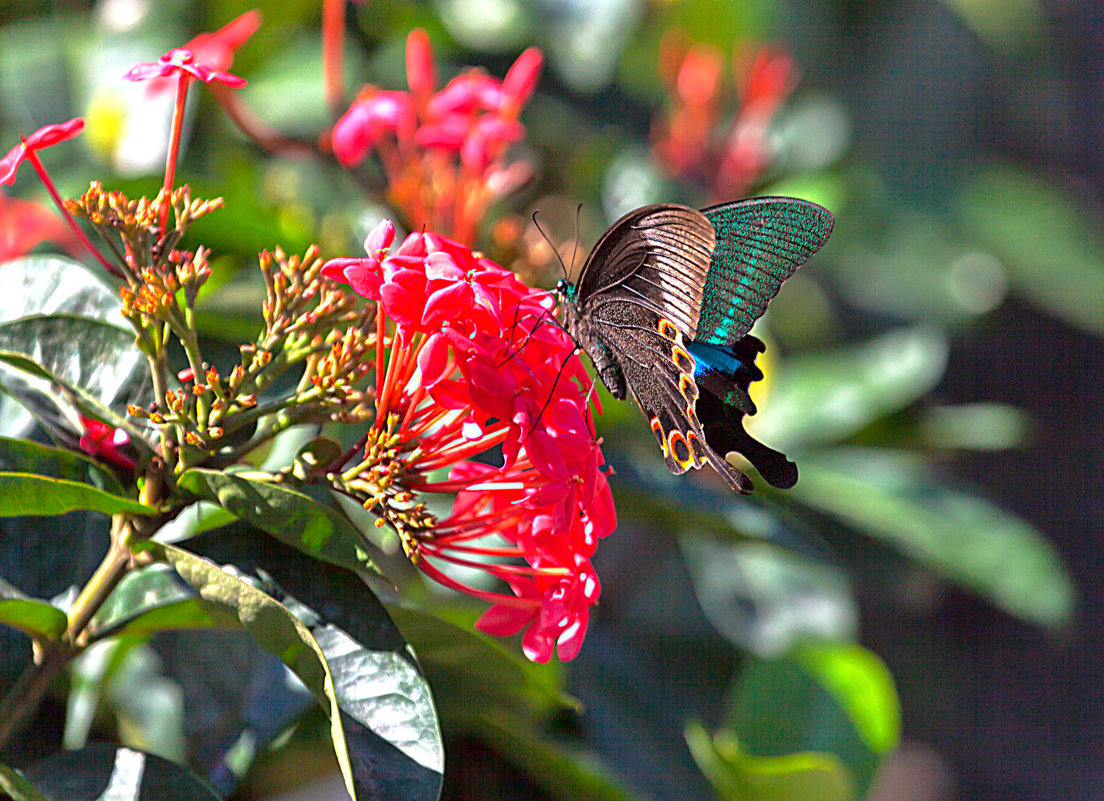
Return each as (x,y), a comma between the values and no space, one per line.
(474,675)
(327,626)
(893,496)
(737,776)
(105,771)
(23,456)
(37,618)
(563,772)
(25,494)
(96,365)
(153,600)
(50,284)
(17,787)
(289,516)
(1053,249)
(836,698)
(764,598)
(827,397)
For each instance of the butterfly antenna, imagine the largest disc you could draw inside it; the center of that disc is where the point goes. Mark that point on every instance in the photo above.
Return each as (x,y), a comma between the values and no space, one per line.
(575,247)
(549,241)
(555,383)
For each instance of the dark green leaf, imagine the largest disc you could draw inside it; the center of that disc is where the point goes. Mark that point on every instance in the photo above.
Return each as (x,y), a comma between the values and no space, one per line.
(737,776)
(563,772)
(1053,249)
(326,625)
(17,787)
(894,497)
(105,771)
(836,698)
(474,675)
(289,516)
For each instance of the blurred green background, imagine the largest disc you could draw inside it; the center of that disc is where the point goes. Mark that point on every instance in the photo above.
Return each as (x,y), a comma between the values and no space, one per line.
(935,371)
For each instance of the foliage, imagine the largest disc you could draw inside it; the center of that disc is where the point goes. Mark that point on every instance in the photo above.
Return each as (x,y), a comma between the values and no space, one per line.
(254,473)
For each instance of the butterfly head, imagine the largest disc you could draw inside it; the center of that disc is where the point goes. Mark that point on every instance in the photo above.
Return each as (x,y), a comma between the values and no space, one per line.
(566,290)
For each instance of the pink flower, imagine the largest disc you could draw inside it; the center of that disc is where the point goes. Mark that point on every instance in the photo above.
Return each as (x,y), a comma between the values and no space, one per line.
(45,136)
(372,115)
(106,442)
(476,363)
(180,61)
(216,50)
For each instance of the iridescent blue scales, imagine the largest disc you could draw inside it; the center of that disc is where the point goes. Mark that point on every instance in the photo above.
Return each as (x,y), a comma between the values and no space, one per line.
(663,306)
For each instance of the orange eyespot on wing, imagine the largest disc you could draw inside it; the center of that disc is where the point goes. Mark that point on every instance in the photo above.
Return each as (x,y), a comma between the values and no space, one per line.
(680,449)
(683,360)
(667,329)
(657,428)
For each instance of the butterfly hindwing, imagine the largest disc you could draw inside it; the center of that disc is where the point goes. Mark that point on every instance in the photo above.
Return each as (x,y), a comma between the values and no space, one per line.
(659,370)
(759,244)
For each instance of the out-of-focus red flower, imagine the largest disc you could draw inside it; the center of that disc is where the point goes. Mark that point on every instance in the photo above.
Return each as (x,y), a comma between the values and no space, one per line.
(686,139)
(25,224)
(216,50)
(443,150)
(45,136)
(476,364)
(106,442)
(180,61)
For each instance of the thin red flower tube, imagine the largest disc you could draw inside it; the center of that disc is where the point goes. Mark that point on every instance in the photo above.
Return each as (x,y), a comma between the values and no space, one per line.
(481,395)
(182,64)
(47,136)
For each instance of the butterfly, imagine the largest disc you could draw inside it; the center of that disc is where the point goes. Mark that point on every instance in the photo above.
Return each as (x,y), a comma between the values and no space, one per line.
(663,307)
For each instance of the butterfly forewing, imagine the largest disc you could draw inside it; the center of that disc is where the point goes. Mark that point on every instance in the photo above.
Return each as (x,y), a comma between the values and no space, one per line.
(760,242)
(657,256)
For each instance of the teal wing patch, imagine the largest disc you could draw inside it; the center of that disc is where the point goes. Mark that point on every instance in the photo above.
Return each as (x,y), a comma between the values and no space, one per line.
(760,242)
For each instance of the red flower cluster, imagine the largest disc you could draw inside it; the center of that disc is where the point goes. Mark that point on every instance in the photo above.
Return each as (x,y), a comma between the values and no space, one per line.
(443,151)
(686,141)
(476,362)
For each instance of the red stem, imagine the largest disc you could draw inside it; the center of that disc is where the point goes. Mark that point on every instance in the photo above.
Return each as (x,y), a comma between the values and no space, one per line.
(32,157)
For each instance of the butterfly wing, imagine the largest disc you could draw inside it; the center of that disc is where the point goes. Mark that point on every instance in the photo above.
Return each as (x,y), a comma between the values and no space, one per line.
(724,375)
(759,244)
(659,370)
(657,256)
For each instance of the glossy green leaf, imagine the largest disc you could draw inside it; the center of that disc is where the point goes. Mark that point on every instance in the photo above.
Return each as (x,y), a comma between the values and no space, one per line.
(835,698)
(37,618)
(764,598)
(328,627)
(737,776)
(827,397)
(1053,249)
(25,494)
(103,771)
(24,456)
(289,516)
(17,787)
(894,497)
(96,365)
(475,675)
(51,284)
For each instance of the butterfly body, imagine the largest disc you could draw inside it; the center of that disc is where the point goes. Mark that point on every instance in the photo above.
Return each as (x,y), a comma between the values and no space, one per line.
(663,306)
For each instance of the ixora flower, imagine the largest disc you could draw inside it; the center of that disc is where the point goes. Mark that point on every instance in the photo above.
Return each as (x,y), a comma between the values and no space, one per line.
(475,370)
(105,442)
(444,151)
(45,136)
(214,50)
(180,61)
